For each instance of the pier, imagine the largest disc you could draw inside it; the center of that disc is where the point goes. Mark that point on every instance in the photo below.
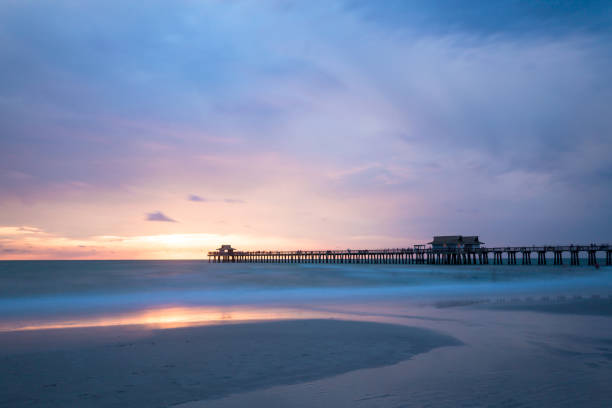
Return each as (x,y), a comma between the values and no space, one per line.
(419,254)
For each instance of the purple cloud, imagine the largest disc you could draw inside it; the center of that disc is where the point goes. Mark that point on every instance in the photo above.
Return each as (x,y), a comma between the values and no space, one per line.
(159,216)
(196,198)
(502,112)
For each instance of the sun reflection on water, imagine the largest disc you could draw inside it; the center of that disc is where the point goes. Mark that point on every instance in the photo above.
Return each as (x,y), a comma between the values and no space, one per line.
(168,317)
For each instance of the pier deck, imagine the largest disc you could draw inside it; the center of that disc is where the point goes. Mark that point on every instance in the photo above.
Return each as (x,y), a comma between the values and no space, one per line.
(419,255)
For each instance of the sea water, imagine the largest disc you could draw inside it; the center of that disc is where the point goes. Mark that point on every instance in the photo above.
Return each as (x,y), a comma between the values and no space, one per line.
(47,294)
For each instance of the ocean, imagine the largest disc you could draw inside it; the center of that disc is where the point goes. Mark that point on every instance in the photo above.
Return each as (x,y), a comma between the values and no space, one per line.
(44,294)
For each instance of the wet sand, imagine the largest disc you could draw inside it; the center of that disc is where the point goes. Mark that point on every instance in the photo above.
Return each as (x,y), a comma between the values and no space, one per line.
(128,366)
(544,354)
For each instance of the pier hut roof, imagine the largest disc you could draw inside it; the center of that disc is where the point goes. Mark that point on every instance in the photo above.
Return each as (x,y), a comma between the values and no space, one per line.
(226,248)
(472,240)
(446,240)
(455,240)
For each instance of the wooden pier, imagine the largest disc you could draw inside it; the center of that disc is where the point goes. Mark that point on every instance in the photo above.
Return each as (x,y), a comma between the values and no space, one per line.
(421,255)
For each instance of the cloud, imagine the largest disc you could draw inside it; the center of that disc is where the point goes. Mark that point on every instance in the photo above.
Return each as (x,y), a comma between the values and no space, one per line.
(15,251)
(481,17)
(196,198)
(159,216)
(387,119)
(22,230)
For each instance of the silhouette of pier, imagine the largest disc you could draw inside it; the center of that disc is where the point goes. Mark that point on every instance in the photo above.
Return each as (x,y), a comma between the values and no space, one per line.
(420,254)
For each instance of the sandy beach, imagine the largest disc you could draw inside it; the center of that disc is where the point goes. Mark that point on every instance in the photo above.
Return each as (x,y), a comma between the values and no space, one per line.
(159,368)
(506,359)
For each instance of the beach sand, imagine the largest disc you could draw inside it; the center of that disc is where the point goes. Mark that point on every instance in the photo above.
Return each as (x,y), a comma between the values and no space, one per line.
(132,366)
(543,354)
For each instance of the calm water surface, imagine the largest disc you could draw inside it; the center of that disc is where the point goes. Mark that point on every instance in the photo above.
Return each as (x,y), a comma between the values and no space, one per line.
(41,294)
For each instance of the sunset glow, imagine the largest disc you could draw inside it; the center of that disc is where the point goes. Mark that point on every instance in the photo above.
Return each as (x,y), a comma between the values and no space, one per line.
(170,317)
(183,125)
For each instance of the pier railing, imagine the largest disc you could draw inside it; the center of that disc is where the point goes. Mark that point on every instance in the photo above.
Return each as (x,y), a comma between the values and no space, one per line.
(442,256)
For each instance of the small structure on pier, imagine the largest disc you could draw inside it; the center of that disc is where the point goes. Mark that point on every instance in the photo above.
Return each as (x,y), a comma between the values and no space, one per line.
(455,241)
(226,250)
(446,241)
(225,253)
(471,242)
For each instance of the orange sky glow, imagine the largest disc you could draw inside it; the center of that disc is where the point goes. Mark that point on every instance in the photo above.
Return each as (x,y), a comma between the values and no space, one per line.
(30,243)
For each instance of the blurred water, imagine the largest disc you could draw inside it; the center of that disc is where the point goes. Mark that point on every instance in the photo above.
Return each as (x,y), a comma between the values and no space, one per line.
(38,293)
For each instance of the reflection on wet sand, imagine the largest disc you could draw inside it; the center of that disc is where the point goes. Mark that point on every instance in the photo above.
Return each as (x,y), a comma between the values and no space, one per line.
(169,317)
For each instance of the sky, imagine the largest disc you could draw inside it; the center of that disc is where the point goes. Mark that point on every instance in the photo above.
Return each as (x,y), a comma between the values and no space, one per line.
(133,130)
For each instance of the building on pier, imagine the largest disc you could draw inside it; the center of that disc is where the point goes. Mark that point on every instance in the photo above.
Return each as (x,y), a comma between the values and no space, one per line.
(226,253)
(471,242)
(226,250)
(455,241)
